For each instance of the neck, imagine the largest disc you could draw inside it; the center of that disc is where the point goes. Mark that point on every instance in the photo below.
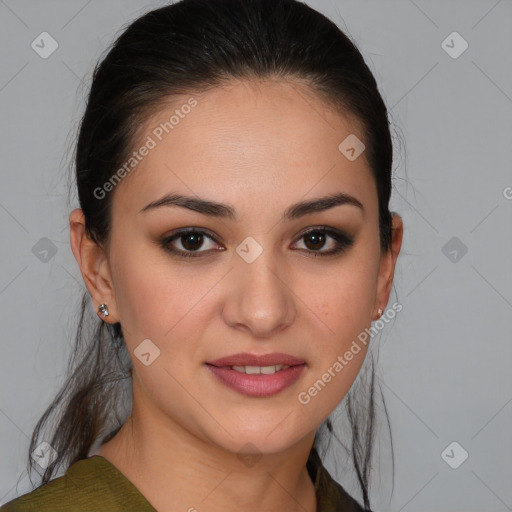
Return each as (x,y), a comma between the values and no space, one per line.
(176,471)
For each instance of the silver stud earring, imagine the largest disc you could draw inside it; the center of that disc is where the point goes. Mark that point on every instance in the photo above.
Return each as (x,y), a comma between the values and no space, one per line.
(103,309)
(380,312)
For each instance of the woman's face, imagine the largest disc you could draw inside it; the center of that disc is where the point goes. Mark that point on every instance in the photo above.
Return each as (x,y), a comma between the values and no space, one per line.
(257,282)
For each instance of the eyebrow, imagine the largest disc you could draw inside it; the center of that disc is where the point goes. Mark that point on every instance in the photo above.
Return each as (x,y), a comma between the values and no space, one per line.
(215,209)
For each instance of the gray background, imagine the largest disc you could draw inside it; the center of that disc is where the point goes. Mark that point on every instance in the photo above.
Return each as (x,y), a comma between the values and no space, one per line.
(445,362)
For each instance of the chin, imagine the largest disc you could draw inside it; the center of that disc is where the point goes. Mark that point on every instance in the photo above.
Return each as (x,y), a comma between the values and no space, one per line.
(264,441)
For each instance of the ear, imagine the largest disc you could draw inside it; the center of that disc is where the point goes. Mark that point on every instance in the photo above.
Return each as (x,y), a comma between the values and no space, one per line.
(94,266)
(387,265)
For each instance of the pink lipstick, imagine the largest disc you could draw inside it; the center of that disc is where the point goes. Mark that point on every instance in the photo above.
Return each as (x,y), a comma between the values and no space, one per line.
(257,375)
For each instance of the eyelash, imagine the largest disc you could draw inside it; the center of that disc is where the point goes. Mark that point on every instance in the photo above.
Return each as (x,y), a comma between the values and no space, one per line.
(344,242)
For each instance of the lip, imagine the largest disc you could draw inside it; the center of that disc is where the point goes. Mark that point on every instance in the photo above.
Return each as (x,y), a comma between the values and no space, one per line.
(257,385)
(246,359)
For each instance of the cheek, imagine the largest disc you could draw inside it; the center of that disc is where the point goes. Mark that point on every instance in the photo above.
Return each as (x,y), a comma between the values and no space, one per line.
(347,321)
(345,301)
(344,304)
(151,295)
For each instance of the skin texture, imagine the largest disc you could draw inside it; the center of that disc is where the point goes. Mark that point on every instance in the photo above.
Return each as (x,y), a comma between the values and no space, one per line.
(259,147)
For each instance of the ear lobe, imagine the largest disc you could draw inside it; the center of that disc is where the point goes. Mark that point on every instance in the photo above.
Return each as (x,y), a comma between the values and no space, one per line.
(93,263)
(388,262)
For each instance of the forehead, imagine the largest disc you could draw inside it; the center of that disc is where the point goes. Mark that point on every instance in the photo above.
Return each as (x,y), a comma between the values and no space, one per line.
(243,142)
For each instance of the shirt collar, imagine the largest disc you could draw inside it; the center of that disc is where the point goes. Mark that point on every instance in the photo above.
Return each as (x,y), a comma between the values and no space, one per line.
(330,495)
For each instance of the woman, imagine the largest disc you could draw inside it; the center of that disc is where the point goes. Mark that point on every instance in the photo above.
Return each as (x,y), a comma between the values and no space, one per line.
(233,169)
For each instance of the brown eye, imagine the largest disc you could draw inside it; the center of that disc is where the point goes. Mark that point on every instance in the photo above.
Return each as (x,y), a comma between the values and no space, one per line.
(191,240)
(317,238)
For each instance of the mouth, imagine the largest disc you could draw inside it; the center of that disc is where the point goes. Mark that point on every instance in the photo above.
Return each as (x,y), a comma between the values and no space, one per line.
(256,370)
(257,361)
(257,376)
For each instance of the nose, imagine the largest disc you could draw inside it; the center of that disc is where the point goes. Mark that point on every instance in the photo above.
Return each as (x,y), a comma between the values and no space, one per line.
(260,299)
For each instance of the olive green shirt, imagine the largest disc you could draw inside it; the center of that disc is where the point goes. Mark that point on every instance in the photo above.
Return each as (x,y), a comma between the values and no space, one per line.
(94,484)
